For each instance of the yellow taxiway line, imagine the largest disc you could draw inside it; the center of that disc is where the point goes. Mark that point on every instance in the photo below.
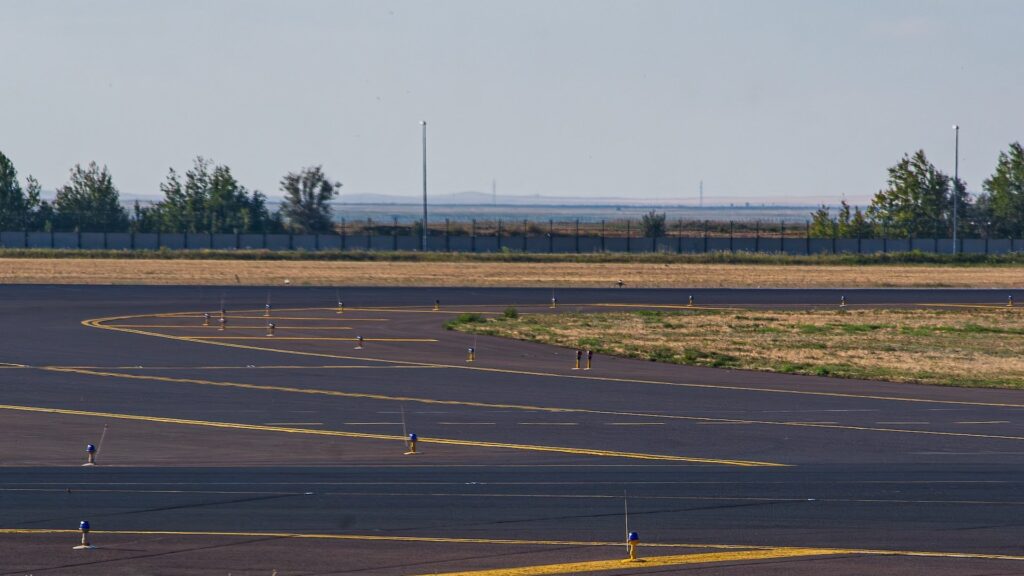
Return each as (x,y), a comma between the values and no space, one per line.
(390,437)
(338,339)
(648,562)
(523,407)
(100,323)
(731,548)
(212,326)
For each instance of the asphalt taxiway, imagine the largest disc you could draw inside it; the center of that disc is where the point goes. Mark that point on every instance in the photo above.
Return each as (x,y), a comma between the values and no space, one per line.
(232,451)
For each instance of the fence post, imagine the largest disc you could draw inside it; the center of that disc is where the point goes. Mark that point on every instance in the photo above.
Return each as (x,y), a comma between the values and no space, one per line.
(104,239)
(602,235)
(782,236)
(447,235)
(369,231)
(131,241)
(757,236)
(472,238)
(24,238)
(835,233)
(807,241)
(732,247)
(679,238)
(706,237)
(79,239)
(577,235)
(342,234)
(525,234)
(551,236)
(499,234)
(629,239)
(394,233)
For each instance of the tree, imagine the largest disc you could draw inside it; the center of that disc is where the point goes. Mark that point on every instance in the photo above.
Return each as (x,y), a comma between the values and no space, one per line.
(89,202)
(306,201)
(852,223)
(1005,193)
(918,199)
(858,226)
(13,209)
(653,224)
(822,224)
(40,213)
(211,200)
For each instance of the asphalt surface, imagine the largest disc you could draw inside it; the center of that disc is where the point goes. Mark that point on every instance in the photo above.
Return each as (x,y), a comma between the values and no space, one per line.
(230,451)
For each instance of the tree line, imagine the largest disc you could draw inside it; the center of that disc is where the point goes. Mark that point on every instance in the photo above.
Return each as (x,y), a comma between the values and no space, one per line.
(206,198)
(918,202)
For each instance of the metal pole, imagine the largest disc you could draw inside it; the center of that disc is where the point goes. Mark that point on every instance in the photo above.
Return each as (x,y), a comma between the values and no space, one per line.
(956,179)
(423,123)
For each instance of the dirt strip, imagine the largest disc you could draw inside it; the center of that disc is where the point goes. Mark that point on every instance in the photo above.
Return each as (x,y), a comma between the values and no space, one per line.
(514,274)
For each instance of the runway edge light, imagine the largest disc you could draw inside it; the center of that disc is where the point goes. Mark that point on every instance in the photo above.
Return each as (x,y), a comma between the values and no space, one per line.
(90,455)
(83,527)
(632,541)
(412,444)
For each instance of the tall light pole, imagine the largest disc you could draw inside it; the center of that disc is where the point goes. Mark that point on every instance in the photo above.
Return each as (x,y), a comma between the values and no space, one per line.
(423,123)
(956,179)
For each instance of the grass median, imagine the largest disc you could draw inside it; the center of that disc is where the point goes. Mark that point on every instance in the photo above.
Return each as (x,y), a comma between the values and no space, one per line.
(961,347)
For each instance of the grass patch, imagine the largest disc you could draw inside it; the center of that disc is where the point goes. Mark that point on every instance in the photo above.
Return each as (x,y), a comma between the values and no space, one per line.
(464,318)
(958,347)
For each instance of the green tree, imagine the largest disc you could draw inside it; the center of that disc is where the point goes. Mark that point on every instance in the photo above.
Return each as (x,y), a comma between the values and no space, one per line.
(918,200)
(13,209)
(859,226)
(307,194)
(822,224)
(40,212)
(652,224)
(1005,193)
(89,202)
(210,199)
(852,223)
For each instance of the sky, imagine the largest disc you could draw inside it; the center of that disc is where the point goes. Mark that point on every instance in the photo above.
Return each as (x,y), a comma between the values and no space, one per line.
(786,101)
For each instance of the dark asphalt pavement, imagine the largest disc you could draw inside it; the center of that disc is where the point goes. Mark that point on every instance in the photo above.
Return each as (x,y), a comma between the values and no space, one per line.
(869,466)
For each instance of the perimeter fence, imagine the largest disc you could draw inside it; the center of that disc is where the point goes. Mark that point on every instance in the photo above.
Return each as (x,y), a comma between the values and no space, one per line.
(529,237)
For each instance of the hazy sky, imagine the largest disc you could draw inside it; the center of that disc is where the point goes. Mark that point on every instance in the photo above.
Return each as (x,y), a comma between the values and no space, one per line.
(776,101)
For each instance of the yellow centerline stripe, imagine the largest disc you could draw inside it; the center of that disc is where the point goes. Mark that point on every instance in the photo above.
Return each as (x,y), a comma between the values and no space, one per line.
(338,339)
(648,562)
(362,435)
(233,326)
(241,368)
(230,316)
(524,407)
(442,540)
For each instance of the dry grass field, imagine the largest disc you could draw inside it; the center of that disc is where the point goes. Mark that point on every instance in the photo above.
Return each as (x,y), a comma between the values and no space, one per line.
(484,273)
(961,347)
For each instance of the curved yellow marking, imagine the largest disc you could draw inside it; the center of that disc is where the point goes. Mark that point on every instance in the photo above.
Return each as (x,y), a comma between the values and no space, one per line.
(508,542)
(649,562)
(234,326)
(99,323)
(338,433)
(272,338)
